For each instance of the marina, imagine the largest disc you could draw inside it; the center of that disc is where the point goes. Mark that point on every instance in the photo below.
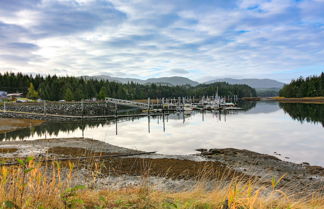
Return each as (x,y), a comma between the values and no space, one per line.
(110,108)
(294,138)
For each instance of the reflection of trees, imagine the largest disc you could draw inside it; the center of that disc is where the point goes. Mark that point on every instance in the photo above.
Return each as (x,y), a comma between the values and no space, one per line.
(246,105)
(54,128)
(305,112)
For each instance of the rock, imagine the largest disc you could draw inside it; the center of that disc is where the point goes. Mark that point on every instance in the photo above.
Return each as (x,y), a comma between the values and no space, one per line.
(214,151)
(201,150)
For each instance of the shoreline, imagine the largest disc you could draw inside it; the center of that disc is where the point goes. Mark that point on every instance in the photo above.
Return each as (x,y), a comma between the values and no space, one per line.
(231,163)
(306,100)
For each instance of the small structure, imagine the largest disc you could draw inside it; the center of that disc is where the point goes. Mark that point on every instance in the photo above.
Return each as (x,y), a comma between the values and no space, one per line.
(23,100)
(14,96)
(3,95)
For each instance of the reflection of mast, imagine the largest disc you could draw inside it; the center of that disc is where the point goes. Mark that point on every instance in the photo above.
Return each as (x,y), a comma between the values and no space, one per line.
(163,122)
(148,115)
(83,127)
(225,115)
(149,123)
(116,126)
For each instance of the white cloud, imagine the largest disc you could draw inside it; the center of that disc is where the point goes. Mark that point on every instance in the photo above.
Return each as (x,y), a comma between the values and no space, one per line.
(251,38)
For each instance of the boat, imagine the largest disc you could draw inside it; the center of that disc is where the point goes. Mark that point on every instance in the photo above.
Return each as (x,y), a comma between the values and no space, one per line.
(187,107)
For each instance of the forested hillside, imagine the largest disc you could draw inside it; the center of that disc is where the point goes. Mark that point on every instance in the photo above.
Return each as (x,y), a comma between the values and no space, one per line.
(312,86)
(56,88)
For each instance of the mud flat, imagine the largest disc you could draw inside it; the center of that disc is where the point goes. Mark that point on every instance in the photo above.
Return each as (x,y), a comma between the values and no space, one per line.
(169,172)
(10,124)
(304,176)
(59,147)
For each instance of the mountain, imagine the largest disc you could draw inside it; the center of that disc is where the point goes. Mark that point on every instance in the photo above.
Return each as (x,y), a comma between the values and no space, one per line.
(254,83)
(117,79)
(266,86)
(174,80)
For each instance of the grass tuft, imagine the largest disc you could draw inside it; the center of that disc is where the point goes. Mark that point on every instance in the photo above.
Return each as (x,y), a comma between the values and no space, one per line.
(35,185)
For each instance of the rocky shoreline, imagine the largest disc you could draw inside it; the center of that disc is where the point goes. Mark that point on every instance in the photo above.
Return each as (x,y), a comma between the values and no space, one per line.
(167,171)
(62,108)
(266,167)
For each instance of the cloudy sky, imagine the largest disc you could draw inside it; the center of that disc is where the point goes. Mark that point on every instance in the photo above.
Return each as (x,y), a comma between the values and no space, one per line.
(198,39)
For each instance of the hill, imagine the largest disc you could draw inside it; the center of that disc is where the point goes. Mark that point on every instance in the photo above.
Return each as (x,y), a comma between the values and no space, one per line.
(254,83)
(312,86)
(173,81)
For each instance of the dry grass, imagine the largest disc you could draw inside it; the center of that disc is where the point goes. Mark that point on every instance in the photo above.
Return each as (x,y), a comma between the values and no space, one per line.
(307,100)
(32,185)
(164,167)
(8,150)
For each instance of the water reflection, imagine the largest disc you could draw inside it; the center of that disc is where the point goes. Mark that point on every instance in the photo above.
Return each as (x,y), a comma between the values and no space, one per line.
(264,128)
(50,129)
(264,107)
(305,112)
(55,129)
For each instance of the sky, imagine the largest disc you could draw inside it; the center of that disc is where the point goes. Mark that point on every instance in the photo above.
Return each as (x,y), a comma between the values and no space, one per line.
(198,39)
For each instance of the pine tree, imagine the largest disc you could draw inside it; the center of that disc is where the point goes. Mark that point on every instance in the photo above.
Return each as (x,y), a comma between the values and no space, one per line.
(68,94)
(32,93)
(102,93)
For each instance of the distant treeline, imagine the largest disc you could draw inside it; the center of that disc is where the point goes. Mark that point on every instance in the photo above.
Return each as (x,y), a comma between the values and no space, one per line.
(67,88)
(312,86)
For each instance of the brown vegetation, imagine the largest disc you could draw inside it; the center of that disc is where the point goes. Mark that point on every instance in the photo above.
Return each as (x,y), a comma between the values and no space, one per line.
(32,185)
(10,124)
(310,100)
(170,168)
(8,150)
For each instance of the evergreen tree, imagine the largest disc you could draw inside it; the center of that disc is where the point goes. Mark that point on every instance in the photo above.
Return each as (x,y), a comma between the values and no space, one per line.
(32,93)
(312,86)
(68,94)
(102,93)
(55,88)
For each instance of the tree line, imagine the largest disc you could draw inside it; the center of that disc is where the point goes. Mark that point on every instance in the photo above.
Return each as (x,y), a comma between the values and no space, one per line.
(312,86)
(69,88)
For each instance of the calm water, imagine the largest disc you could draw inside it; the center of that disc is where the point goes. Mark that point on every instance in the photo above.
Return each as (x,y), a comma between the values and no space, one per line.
(293,130)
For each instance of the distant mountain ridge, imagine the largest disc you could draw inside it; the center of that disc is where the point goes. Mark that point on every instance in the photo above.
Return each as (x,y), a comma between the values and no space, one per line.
(254,83)
(174,80)
(177,80)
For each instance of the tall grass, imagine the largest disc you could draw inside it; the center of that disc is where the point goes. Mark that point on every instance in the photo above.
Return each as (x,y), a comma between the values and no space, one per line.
(36,185)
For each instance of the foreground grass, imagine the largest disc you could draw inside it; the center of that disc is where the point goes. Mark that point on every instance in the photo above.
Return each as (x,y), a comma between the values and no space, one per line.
(32,185)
